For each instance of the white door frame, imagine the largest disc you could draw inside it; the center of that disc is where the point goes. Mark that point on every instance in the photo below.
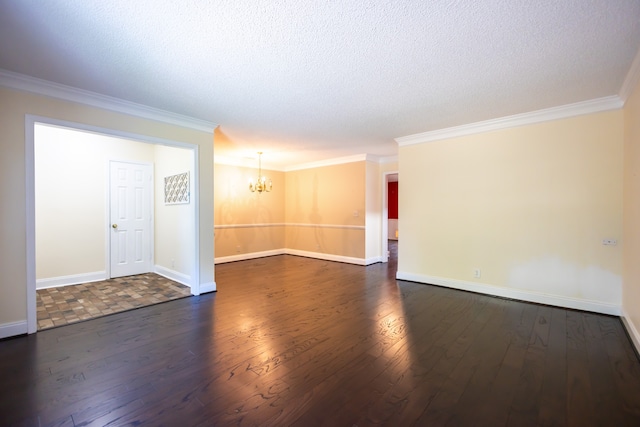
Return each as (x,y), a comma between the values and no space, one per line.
(30,122)
(385,214)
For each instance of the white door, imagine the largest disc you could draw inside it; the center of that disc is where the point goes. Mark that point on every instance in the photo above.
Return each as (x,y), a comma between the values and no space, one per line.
(130,218)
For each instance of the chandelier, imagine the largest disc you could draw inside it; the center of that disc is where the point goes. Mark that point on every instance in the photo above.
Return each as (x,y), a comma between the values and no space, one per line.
(262,184)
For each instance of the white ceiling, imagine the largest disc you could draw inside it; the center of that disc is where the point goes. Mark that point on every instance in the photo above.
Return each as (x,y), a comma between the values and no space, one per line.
(306,80)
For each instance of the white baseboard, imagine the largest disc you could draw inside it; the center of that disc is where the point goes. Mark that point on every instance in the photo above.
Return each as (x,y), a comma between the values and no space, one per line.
(184,279)
(373,260)
(172,275)
(327,257)
(12,329)
(518,294)
(307,254)
(207,287)
(252,255)
(74,279)
(631,330)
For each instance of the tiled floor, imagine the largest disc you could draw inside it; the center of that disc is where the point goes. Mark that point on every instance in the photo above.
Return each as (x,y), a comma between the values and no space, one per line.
(70,304)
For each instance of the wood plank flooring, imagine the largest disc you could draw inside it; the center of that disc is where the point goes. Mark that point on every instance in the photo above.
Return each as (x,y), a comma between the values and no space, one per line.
(291,341)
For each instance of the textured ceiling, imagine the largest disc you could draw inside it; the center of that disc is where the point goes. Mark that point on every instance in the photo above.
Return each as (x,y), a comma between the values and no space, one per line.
(308,80)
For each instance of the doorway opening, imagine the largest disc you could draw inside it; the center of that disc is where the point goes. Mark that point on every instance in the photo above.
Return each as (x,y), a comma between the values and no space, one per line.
(75,245)
(390,230)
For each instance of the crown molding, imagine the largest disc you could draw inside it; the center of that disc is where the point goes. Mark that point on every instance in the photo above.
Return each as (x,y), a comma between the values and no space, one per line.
(329,162)
(244,162)
(631,80)
(250,163)
(388,159)
(562,112)
(25,83)
(341,160)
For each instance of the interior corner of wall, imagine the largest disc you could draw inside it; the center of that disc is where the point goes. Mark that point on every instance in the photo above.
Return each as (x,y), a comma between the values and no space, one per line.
(632,330)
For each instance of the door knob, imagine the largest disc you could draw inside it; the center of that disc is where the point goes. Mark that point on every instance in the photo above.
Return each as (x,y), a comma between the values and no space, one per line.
(114,225)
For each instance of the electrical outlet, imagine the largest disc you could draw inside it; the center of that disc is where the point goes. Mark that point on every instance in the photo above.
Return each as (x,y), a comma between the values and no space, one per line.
(609,242)
(238,249)
(173,263)
(476,273)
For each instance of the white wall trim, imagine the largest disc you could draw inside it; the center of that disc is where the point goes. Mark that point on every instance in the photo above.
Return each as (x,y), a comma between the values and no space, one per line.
(73,279)
(12,329)
(388,159)
(555,113)
(25,83)
(30,218)
(176,276)
(373,260)
(207,287)
(296,252)
(327,257)
(329,162)
(246,162)
(345,227)
(631,330)
(256,225)
(197,287)
(288,224)
(632,78)
(518,294)
(251,255)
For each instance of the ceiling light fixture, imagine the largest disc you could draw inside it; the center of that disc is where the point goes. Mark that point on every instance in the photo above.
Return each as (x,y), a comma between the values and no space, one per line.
(262,185)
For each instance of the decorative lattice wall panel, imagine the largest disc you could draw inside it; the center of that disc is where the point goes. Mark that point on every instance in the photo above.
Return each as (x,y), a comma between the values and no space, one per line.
(176,189)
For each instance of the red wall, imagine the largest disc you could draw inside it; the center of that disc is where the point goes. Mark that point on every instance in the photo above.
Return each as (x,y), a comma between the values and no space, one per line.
(393,200)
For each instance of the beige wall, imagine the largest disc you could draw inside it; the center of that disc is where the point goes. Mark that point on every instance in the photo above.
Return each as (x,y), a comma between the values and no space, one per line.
(247,222)
(174,243)
(70,175)
(373,221)
(528,206)
(389,167)
(631,288)
(329,211)
(71,205)
(14,105)
(325,209)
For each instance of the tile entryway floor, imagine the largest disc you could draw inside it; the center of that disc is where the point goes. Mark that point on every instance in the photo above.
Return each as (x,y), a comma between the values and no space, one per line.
(70,304)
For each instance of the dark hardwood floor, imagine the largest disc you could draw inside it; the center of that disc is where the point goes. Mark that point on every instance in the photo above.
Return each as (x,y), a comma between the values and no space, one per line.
(295,341)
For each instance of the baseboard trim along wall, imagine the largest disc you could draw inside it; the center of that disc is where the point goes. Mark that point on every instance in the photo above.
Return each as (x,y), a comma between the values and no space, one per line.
(252,255)
(172,275)
(74,279)
(327,257)
(207,287)
(373,260)
(184,279)
(307,254)
(12,329)
(631,330)
(518,294)
(289,224)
